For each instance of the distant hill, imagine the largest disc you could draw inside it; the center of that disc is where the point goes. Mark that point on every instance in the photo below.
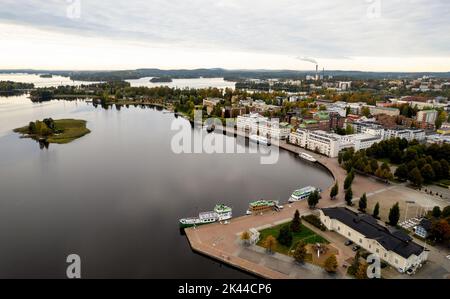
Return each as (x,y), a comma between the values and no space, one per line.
(232,75)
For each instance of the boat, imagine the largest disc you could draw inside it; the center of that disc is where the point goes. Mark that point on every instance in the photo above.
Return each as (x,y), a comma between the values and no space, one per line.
(303,193)
(262,206)
(260,140)
(307,157)
(220,213)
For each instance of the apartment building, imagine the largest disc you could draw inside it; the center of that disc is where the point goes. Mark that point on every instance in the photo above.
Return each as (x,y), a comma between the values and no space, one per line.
(427,116)
(257,124)
(328,144)
(391,245)
(408,134)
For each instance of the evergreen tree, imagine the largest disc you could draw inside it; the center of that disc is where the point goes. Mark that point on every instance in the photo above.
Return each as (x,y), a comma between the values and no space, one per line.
(394,215)
(376,210)
(296,222)
(349,196)
(363,203)
(285,236)
(334,191)
(313,199)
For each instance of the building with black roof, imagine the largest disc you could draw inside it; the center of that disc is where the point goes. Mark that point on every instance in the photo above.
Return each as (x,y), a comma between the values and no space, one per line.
(390,244)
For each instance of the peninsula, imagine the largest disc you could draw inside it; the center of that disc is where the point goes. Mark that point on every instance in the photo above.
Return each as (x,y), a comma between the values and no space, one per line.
(55,131)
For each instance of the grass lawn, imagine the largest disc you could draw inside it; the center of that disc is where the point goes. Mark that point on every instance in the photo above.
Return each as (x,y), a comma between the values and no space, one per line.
(306,235)
(71,129)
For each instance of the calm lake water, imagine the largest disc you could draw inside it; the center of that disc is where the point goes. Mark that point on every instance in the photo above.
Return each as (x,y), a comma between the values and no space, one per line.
(114,197)
(185,83)
(42,82)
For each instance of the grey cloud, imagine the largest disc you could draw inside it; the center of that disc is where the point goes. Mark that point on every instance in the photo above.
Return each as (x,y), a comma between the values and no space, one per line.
(320,29)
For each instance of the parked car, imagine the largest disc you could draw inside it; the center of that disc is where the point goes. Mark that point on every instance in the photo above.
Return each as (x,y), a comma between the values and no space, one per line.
(348,243)
(356,248)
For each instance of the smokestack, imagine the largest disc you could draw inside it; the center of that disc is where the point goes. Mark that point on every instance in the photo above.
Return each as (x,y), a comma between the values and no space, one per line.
(317,72)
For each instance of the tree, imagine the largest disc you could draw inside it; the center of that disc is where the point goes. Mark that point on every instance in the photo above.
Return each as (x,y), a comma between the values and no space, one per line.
(270,243)
(363,203)
(349,180)
(436,213)
(285,236)
(415,177)
(436,165)
(362,271)
(376,211)
(427,173)
(349,196)
(444,168)
(313,199)
(245,236)
(331,264)
(334,191)
(446,212)
(402,172)
(355,265)
(300,252)
(440,230)
(296,223)
(394,215)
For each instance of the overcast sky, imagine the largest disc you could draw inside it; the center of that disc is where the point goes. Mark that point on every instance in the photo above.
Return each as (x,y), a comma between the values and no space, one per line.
(380,35)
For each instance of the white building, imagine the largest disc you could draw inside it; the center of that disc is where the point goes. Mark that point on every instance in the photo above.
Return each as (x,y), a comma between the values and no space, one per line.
(328,144)
(392,246)
(408,134)
(263,126)
(362,141)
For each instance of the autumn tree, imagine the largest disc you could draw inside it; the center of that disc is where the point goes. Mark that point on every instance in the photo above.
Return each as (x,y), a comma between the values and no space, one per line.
(331,264)
(270,243)
(300,252)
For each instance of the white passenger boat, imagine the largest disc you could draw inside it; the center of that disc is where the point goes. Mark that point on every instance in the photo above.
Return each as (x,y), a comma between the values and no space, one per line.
(259,140)
(302,194)
(307,157)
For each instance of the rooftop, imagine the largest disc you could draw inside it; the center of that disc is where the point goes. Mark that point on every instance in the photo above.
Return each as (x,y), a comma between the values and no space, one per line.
(391,239)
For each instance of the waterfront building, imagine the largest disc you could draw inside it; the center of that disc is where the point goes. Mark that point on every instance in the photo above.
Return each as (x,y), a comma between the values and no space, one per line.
(392,246)
(328,144)
(361,141)
(263,126)
(408,134)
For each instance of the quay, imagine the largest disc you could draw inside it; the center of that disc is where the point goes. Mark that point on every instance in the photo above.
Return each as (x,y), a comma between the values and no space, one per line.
(221,241)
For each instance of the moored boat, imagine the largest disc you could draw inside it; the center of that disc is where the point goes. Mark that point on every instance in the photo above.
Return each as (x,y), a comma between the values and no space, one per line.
(220,213)
(262,206)
(260,140)
(307,157)
(303,193)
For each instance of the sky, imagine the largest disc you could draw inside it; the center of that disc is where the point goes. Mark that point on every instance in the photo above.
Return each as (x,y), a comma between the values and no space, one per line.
(367,35)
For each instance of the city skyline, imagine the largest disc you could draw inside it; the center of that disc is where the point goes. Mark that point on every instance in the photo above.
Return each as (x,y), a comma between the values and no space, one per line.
(372,35)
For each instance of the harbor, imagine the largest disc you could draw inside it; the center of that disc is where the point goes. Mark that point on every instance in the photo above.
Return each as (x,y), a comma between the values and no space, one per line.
(222,241)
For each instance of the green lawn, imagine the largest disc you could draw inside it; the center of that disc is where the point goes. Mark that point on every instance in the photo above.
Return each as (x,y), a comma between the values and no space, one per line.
(306,235)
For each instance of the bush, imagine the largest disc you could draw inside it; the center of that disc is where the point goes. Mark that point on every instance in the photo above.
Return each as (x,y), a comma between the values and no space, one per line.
(315,221)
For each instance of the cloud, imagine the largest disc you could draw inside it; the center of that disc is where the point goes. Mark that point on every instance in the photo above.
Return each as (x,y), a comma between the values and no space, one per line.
(324,29)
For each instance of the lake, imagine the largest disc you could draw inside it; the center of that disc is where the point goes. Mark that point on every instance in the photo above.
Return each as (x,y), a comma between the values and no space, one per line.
(114,197)
(185,83)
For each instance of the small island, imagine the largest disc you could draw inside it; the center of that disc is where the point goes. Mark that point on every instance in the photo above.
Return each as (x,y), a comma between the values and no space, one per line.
(46,76)
(55,131)
(161,80)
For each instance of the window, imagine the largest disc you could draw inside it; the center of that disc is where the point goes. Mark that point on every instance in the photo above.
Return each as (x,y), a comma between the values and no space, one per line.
(378,250)
(339,228)
(349,234)
(370,246)
(396,261)
(360,241)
